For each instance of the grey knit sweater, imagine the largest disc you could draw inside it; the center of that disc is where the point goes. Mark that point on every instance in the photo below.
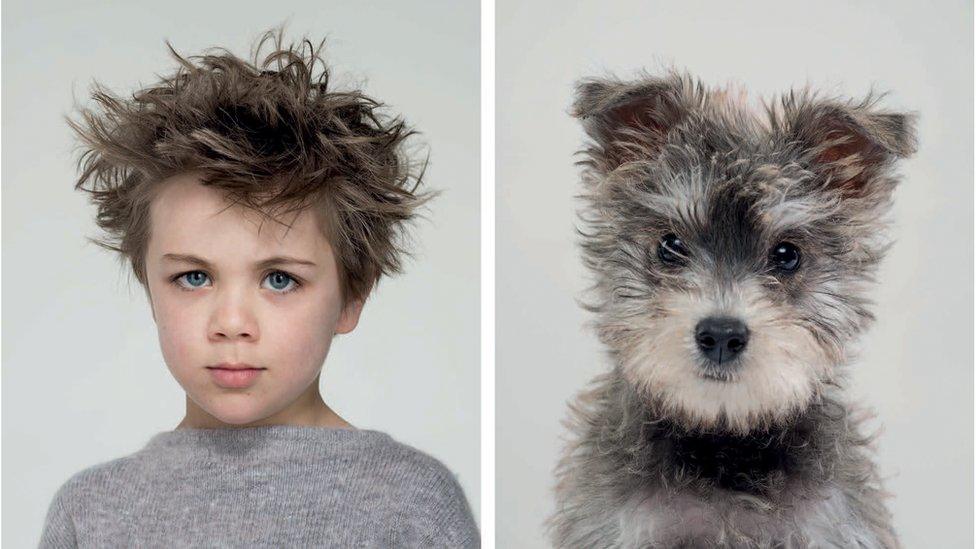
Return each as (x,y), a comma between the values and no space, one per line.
(270,486)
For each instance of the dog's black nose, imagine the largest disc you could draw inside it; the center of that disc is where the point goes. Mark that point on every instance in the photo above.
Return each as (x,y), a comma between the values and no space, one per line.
(721,339)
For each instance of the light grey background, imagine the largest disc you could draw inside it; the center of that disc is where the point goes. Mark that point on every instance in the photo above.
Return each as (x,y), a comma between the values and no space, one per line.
(83,378)
(917,366)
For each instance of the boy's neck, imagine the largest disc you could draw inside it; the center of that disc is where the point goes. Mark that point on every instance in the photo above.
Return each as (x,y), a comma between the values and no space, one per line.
(309,410)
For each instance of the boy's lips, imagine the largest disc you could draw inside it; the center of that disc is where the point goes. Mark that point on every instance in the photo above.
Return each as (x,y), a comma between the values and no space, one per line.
(235,366)
(234,376)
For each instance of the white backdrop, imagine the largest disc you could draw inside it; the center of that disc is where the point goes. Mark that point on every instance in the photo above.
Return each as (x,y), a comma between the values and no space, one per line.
(917,366)
(83,378)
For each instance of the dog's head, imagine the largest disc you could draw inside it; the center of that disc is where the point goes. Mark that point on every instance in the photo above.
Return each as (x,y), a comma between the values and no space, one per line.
(732,249)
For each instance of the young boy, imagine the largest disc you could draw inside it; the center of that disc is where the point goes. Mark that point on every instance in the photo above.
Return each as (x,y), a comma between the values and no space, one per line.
(257,208)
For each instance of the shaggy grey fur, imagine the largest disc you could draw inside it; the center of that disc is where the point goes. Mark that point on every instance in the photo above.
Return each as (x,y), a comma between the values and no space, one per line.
(670,450)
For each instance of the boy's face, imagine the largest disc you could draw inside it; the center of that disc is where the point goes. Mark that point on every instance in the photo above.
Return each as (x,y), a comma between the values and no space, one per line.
(279,317)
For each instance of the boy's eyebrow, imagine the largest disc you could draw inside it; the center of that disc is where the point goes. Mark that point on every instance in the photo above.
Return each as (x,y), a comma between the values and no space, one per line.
(271,261)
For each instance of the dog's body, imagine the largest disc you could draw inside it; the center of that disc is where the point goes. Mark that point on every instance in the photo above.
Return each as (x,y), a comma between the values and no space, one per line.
(731,256)
(636,481)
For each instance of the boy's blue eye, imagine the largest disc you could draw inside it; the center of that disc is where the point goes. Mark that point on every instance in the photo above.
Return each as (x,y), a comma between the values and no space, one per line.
(281,282)
(195,278)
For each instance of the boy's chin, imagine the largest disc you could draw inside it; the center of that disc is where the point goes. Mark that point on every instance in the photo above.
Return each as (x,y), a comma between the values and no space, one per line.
(223,411)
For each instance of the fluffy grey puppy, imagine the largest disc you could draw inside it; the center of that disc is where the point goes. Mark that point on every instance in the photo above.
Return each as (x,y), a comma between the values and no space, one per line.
(731,251)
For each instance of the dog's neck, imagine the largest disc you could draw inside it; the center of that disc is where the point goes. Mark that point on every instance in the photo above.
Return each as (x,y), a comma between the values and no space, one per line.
(757,463)
(656,450)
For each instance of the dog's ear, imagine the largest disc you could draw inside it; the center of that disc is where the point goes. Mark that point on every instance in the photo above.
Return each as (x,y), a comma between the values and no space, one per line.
(850,144)
(629,120)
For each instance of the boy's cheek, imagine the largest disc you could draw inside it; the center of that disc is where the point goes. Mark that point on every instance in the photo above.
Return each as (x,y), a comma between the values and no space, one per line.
(177,351)
(183,339)
(297,346)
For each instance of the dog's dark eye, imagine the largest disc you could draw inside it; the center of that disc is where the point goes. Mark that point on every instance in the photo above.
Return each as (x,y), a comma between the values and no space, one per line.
(785,257)
(672,250)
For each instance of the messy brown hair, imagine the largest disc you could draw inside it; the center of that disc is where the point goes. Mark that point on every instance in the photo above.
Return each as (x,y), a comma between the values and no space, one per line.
(270,134)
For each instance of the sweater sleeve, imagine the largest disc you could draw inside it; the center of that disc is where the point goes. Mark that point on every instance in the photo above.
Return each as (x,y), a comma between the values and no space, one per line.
(438,514)
(59,529)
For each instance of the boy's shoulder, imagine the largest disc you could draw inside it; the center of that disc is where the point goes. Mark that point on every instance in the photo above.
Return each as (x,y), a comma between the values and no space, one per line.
(104,474)
(103,481)
(417,479)
(403,461)
(433,509)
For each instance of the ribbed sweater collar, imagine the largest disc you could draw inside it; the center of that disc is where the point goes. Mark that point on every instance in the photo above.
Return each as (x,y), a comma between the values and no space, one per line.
(263,441)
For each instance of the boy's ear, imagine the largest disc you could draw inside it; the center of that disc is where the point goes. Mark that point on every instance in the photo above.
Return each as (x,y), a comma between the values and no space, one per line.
(851,144)
(349,316)
(629,120)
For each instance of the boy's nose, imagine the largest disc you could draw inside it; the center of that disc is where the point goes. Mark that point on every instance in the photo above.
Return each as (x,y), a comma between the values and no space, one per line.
(721,339)
(233,320)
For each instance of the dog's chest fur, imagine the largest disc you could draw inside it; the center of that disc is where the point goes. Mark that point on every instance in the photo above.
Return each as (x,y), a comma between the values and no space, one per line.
(819,519)
(748,491)
(750,465)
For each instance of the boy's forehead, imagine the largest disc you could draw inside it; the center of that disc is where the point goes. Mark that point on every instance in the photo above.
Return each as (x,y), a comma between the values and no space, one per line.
(185,213)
